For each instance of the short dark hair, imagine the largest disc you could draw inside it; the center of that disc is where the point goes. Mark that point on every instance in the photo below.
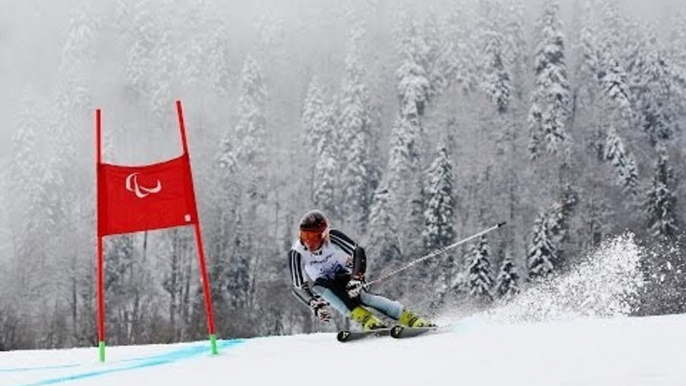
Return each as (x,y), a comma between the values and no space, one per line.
(314,220)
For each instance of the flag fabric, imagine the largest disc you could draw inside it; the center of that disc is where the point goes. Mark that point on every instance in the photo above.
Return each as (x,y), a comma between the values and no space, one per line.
(139,198)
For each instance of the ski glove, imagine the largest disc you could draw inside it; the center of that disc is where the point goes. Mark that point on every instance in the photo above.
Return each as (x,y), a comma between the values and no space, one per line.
(319,309)
(355,286)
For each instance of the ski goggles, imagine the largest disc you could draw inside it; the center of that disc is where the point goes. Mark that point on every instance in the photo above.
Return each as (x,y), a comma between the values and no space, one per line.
(312,239)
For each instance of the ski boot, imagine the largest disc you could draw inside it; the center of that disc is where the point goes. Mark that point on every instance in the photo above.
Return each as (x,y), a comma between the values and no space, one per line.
(410,319)
(366,319)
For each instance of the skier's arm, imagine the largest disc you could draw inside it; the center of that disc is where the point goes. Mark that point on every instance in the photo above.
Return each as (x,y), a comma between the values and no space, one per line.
(301,288)
(349,246)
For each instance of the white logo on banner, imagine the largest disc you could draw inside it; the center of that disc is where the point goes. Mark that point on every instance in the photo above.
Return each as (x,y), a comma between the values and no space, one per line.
(140,191)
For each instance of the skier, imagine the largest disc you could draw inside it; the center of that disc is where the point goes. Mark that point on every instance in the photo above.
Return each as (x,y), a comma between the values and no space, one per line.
(336,265)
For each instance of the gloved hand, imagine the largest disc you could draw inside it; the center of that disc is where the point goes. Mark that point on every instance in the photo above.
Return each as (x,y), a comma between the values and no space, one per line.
(319,309)
(355,286)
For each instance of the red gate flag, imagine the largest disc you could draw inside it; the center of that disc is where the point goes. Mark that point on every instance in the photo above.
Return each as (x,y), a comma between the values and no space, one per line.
(139,198)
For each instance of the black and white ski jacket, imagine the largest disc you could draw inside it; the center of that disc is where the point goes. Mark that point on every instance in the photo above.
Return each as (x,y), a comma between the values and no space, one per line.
(339,255)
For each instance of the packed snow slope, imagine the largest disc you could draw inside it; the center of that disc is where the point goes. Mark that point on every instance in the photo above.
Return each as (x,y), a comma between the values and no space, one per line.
(617,351)
(569,330)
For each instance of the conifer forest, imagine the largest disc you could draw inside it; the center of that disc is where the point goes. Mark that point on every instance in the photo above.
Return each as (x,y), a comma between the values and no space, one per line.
(410,124)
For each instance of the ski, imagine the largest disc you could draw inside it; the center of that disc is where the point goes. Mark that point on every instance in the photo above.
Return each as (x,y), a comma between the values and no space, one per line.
(399,332)
(348,336)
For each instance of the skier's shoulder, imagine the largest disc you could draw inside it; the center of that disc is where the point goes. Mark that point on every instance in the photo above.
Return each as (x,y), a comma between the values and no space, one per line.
(342,240)
(296,249)
(339,235)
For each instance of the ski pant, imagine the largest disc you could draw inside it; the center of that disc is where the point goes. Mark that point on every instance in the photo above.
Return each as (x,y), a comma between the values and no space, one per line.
(334,292)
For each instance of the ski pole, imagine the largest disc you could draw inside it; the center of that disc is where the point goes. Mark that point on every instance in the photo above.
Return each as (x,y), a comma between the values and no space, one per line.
(434,254)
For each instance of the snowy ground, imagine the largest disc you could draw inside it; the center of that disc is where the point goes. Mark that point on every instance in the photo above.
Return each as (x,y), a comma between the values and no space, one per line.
(617,351)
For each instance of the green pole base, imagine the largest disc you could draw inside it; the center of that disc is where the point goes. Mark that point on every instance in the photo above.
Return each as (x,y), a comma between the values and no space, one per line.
(101,349)
(213,344)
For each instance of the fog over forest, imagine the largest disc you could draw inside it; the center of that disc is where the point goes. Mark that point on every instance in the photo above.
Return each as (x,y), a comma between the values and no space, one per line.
(411,124)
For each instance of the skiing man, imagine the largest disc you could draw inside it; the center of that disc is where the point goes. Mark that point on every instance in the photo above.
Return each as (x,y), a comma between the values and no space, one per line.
(336,266)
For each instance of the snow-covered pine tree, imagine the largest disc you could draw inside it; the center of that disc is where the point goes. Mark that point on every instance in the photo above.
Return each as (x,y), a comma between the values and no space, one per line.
(314,118)
(435,54)
(384,242)
(25,188)
(542,252)
(515,47)
(70,111)
(414,88)
(660,202)
(550,102)
(162,74)
(240,165)
(239,284)
(251,129)
(195,56)
(39,270)
(588,48)
(604,98)
(73,98)
(218,56)
(76,61)
(322,139)
(634,59)
(559,216)
(404,181)
(227,169)
(622,160)
(588,61)
(460,64)
(25,164)
(496,82)
(149,72)
(178,273)
(238,146)
(326,168)
(139,22)
(614,82)
(480,279)
(657,96)
(405,160)
(192,63)
(608,42)
(120,286)
(359,177)
(439,219)
(507,282)
(549,234)
(609,16)
(439,215)
(415,221)
(495,73)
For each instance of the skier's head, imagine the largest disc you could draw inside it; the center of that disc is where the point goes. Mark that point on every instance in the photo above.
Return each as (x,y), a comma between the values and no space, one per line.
(314,227)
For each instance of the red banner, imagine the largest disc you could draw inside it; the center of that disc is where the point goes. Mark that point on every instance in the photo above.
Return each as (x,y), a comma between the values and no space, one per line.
(139,198)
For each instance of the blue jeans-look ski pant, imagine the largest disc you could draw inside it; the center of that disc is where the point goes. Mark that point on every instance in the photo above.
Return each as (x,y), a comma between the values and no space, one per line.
(333,291)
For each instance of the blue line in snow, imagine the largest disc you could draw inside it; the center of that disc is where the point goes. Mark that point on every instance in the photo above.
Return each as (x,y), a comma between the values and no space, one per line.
(21,369)
(144,362)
